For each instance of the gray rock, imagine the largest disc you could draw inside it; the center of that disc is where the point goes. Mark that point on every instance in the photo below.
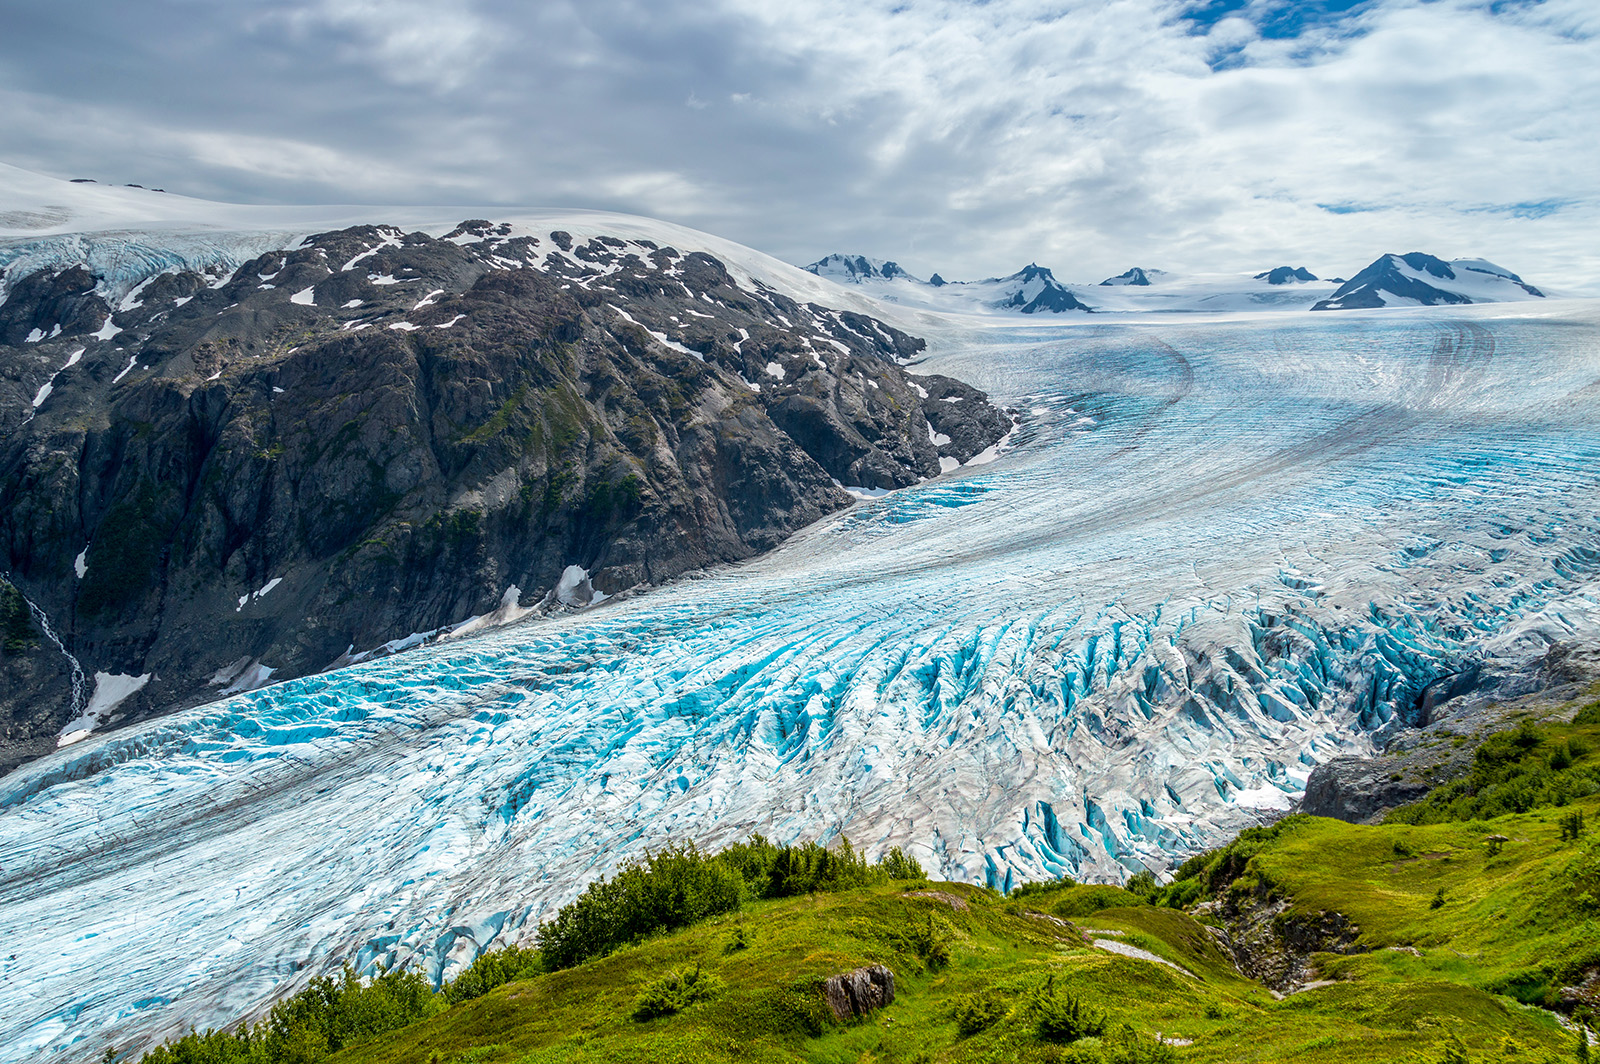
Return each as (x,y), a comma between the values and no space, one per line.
(1273,944)
(1360,790)
(859,992)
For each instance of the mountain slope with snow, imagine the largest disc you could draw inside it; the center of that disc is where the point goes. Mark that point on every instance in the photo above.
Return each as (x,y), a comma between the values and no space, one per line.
(373,438)
(1421,280)
(1031,290)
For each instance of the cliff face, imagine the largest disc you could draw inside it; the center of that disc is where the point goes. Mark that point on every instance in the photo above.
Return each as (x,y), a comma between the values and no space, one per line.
(378,434)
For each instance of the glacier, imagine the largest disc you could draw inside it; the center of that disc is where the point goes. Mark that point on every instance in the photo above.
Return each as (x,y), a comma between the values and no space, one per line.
(1213,554)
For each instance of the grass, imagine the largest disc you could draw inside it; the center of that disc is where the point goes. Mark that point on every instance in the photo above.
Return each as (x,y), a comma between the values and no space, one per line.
(1386,1005)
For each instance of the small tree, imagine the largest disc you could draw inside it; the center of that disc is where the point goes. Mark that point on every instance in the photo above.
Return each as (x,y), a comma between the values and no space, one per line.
(1571,826)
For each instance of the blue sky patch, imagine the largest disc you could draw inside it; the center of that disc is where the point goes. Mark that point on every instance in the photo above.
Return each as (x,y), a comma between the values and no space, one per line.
(1525,209)
(1275,19)
(1349,208)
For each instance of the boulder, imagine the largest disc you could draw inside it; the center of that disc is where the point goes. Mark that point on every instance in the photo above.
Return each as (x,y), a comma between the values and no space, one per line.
(859,992)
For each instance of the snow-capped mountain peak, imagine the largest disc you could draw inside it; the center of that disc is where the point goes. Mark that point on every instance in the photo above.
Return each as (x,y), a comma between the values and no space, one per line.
(854,269)
(1137,276)
(1034,289)
(1031,290)
(1420,279)
(1286,275)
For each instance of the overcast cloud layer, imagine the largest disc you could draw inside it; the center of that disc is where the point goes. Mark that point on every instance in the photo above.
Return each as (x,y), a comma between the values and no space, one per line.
(968,138)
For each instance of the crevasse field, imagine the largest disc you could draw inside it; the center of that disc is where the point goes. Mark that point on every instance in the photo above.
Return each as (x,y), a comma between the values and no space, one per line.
(1214,555)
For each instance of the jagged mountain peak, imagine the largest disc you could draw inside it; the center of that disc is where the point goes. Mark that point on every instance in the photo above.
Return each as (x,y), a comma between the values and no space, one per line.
(1286,275)
(1420,279)
(857,268)
(1138,276)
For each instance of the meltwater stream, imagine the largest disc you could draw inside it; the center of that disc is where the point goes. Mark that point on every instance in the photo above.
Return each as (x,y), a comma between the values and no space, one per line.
(1216,555)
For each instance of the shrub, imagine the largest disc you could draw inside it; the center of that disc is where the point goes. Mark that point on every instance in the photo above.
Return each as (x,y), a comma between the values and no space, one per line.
(1142,884)
(975,1013)
(1181,895)
(17,630)
(327,1016)
(929,939)
(1062,1017)
(675,992)
(663,892)
(1088,900)
(491,969)
(1571,827)
(1043,886)
(1589,714)
(773,871)
(1214,870)
(896,865)
(1512,772)
(683,885)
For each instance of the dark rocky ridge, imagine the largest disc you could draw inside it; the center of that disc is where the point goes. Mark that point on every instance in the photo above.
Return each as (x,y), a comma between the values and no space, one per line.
(387,431)
(1286,275)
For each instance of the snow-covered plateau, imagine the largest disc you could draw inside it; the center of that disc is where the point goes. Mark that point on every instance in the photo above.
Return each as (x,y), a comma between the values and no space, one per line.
(1213,554)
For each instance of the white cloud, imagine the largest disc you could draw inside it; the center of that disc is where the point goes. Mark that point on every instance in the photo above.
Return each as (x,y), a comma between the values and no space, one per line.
(965,138)
(437,43)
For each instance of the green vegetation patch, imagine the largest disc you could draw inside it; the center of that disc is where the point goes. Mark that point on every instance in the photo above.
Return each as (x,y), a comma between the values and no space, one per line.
(18,632)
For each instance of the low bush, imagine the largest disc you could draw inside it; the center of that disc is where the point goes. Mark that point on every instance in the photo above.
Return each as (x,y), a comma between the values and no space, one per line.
(929,939)
(1088,900)
(683,885)
(491,969)
(675,992)
(1062,1018)
(665,891)
(975,1013)
(1044,886)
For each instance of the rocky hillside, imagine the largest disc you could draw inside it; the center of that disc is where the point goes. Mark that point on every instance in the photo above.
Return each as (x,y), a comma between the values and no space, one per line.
(211,481)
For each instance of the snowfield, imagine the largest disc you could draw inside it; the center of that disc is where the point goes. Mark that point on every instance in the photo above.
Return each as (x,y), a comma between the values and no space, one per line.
(1212,554)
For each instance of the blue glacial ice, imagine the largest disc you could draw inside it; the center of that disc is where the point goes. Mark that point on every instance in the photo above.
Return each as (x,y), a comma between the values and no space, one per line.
(1216,555)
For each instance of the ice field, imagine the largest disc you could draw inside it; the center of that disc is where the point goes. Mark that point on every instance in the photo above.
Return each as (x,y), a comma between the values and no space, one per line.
(1216,554)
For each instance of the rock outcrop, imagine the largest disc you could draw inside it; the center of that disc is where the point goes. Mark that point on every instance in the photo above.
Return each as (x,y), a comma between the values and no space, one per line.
(1272,943)
(859,992)
(352,446)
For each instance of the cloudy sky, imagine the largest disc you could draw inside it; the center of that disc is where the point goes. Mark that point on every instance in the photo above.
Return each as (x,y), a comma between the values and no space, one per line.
(964,137)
